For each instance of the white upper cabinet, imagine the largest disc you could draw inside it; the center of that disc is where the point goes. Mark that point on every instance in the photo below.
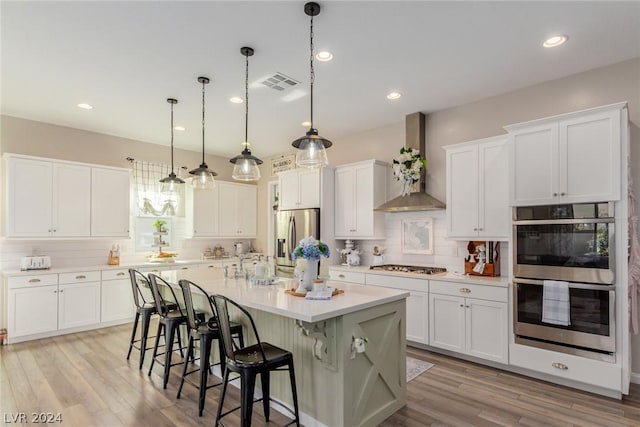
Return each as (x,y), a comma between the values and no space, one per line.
(478,189)
(359,188)
(238,205)
(570,158)
(299,189)
(47,199)
(110,202)
(201,212)
(65,199)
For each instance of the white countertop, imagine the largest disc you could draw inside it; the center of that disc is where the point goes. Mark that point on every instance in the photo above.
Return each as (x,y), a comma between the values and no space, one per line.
(448,276)
(103,267)
(273,299)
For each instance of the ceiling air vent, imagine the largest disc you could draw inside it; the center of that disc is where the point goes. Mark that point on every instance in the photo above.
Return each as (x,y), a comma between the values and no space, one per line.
(280,82)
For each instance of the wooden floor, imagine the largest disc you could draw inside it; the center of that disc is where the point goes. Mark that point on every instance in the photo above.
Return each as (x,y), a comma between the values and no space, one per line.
(87,380)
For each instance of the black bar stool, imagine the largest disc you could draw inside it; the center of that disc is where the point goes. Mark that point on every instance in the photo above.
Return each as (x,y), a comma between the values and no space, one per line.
(260,358)
(145,308)
(171,317)
(204,332)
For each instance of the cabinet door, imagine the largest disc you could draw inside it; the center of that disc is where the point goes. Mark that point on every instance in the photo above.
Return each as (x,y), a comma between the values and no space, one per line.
(228,209)
(487,329)
(493,195)
(363,200)
(534,159)
(462,191)
(78,304)
(344,212)
(417,317)
(202,212)
(33,310)
(288,186)
(116,302)
(590,149)
(30,192)
(247,202)
(446,322)
(308,189)
(71,207)
(110,191)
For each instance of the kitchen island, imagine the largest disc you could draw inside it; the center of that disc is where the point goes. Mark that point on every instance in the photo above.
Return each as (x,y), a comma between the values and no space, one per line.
(335,386)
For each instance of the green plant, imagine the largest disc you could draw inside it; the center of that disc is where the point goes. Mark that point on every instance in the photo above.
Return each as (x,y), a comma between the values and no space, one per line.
(159,223)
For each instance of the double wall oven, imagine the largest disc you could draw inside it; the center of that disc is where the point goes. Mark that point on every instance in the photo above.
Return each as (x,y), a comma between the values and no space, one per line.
(572,243)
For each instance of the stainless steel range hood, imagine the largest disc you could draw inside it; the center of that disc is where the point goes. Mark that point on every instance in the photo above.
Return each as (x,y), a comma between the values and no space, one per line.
(418,201)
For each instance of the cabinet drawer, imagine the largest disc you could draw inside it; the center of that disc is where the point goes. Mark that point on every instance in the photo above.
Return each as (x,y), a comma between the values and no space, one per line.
(32,280)
(80,276)
(120,273)
(347,276)
(491,293)
(397,282)
(567,366)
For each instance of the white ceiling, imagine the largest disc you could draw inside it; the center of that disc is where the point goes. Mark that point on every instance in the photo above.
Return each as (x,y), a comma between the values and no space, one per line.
(126,58)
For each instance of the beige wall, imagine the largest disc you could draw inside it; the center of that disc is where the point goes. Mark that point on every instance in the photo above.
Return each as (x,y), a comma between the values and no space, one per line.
(32,138)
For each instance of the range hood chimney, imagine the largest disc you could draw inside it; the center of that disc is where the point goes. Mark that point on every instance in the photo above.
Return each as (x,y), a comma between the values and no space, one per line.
(419,201)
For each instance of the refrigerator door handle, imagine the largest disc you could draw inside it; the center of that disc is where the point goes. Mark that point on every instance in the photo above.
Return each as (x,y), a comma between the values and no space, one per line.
(292,235)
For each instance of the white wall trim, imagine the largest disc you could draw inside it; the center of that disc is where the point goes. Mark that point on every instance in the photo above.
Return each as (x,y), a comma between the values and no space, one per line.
(635,377)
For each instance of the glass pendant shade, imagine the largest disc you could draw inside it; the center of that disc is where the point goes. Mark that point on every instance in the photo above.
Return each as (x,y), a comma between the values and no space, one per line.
(245,166)
(311,151)
(171,184)
(202,176)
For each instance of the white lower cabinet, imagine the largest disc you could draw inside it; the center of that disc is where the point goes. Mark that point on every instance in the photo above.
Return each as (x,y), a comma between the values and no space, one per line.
(417,302)
(470,319)
(116,302)
(78,299)
(33,310)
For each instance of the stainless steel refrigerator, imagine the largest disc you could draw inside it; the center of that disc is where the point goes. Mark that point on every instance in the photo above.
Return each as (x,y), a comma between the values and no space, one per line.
(291,227)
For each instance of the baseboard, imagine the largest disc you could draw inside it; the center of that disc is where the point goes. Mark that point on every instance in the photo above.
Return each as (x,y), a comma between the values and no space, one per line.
(635,378)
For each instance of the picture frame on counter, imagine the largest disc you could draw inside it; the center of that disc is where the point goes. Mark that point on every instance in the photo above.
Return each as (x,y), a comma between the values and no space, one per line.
(417,236)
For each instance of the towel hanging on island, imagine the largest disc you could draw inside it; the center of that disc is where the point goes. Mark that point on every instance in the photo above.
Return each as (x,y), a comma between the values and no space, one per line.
(556,306)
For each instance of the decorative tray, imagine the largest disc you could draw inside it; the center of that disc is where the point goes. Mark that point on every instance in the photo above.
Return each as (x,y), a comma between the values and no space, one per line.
(293,292)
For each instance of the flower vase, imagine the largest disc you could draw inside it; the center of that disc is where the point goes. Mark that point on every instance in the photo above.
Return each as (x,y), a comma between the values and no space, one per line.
(310,274)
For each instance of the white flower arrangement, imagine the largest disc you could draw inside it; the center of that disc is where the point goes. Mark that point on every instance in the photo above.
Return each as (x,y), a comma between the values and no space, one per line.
(407,168)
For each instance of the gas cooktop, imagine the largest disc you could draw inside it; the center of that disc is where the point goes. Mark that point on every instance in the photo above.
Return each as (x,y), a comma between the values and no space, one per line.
(409,269)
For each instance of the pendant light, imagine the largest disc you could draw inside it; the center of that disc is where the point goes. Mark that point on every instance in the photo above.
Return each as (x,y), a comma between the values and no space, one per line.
(170,183)
(246,165)
(311,147)
(203,177)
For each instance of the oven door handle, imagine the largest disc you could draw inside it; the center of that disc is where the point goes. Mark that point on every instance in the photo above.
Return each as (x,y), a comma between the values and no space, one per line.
(563,221)
(589,286)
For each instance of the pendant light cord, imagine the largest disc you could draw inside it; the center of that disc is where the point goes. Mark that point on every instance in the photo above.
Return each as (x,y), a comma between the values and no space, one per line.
(203,83)
(313,75)
(171,137)
(246,102)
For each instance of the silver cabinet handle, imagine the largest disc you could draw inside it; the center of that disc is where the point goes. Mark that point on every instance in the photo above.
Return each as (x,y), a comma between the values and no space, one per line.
(461,305)
(120,274)
(61,290)
(480,229)
(560,366)
(82,276)
(34,280)
(55,292)
(184,268)
(465,290)
(555,194)
(563,194)
(341,276)
(467,306)
(475,229)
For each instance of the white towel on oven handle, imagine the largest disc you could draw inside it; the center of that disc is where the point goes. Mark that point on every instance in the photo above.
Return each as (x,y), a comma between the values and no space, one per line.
(556,306)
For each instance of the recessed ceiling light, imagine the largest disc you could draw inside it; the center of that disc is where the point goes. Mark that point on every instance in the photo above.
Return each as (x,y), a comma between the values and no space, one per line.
(178,128)
(324,55)
(236,100)
(394,95)
(554,41)
(85,106)
(306,124)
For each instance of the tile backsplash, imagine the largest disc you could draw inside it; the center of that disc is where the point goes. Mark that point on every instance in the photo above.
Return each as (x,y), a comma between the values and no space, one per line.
(93,252)
(447,253)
